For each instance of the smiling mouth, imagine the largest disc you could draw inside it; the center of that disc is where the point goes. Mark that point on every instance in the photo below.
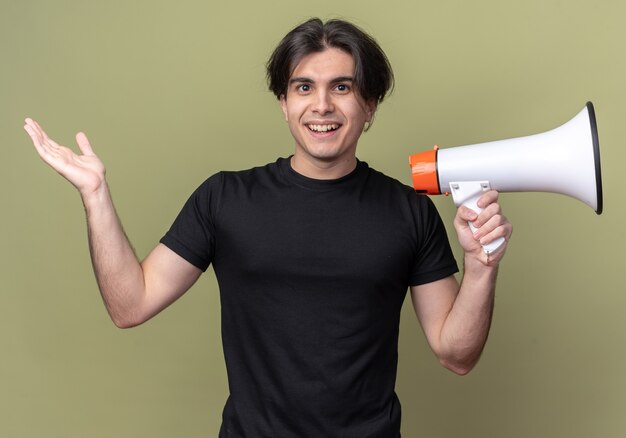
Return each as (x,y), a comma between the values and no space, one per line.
(323,128)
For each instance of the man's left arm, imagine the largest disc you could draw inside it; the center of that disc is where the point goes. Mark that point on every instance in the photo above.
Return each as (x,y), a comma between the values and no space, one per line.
(456,319)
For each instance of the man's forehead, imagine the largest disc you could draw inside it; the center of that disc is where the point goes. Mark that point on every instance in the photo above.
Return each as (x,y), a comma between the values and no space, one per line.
(328,65)
(305,79)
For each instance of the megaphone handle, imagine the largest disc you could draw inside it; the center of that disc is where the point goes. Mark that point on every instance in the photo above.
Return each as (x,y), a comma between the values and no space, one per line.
(467,193)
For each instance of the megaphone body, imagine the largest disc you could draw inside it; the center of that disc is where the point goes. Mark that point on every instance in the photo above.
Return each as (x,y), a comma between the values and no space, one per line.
(564,160)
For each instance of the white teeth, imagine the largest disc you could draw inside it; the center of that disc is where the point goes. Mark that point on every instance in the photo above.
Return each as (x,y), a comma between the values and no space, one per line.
(323,128)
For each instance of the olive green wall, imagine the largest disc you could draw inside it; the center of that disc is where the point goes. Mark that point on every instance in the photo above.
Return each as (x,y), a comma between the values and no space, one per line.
(170,92)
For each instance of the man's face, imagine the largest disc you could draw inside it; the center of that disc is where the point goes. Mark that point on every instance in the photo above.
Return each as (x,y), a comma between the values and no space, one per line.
(325,112)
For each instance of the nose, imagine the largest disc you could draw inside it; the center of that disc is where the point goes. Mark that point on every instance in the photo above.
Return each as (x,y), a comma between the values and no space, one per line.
(323,103)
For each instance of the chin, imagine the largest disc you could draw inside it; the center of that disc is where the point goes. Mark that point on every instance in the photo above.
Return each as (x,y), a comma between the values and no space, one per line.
(327,155)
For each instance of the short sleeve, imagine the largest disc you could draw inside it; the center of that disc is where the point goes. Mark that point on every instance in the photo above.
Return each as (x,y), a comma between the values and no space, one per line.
(192,235)
(434,260)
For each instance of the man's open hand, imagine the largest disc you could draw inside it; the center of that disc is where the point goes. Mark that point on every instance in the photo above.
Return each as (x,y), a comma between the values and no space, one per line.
(86,172)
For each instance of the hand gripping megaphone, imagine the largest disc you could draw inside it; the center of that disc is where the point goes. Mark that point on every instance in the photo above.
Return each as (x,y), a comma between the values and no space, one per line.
(564,160)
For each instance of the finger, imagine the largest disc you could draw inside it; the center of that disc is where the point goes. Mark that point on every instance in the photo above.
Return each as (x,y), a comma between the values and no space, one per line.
(487,198)
(30,122)
(83,144)
(35,137)
(31,127)
(40,129)
(37,134)
(466,214)
(496,233)
(498,226)
(34,126)
(52,144)
(488,212)
(47,148)
(31,133)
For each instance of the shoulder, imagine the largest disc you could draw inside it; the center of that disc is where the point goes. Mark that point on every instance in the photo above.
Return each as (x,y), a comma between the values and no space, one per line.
(416,208)
(243,176)
(392,186)
(257,174)
(240,186)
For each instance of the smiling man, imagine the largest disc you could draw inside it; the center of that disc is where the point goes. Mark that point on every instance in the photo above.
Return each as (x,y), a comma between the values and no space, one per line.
(326,114)
(313,253)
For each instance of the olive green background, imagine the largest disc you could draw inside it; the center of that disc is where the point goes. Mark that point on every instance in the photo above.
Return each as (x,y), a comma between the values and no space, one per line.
(170,92)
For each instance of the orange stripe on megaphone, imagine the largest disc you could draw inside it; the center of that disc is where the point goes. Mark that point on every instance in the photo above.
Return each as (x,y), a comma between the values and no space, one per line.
(424,171)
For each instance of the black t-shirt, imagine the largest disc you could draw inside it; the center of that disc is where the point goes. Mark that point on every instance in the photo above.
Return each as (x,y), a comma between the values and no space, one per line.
(312,277)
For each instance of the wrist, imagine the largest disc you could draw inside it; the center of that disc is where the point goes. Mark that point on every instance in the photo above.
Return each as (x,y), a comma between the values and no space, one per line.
(96,198)
(479,266)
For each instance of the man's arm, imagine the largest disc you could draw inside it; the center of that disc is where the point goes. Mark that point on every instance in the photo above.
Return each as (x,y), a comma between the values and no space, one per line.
(456,320)
(132,291)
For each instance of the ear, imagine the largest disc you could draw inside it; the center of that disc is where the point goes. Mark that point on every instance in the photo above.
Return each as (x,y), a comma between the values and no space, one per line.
(283,105)
(370,109)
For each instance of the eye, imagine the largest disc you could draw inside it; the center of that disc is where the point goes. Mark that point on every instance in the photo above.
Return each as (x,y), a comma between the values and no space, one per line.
(342,88)
(304,88)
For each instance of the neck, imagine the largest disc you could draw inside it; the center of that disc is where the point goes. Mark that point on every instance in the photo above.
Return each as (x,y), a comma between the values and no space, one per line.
(321,169)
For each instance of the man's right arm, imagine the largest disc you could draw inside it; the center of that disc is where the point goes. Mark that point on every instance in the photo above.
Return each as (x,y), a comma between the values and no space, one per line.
(133,292)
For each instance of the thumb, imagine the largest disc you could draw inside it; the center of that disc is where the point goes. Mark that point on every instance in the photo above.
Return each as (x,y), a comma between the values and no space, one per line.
(83,144)
(466,214)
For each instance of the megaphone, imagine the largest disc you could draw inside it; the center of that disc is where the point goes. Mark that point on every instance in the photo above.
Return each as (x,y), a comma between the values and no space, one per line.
(564,160)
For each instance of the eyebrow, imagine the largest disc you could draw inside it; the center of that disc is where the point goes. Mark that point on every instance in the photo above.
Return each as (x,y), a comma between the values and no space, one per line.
(305,80)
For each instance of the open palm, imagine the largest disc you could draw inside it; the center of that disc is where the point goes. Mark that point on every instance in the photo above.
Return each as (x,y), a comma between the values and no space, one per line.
(86,172)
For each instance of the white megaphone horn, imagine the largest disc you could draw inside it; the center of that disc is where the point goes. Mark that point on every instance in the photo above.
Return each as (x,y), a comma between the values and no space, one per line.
(564,160)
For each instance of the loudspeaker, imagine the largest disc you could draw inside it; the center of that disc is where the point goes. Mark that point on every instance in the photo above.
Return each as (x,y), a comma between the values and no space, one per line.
(565,160)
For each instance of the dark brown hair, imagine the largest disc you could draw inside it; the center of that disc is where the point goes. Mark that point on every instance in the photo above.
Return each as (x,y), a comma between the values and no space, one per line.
(373,76)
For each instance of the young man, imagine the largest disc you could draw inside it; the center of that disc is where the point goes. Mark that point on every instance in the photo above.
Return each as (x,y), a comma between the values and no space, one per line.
(313,254)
